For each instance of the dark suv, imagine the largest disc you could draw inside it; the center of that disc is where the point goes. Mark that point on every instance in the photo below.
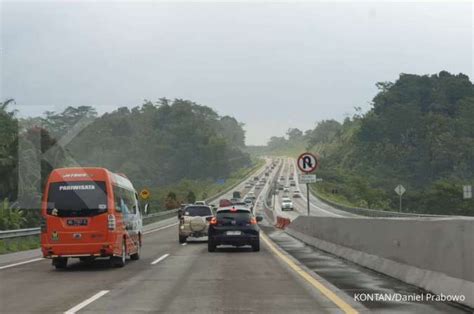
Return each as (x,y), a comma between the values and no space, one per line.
(235,226)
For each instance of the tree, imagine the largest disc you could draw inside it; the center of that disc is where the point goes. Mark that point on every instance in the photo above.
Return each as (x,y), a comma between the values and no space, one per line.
(171,201)
(191,197)
(419,132)
(8,151)
(58,124)
(324,132)
(294,134)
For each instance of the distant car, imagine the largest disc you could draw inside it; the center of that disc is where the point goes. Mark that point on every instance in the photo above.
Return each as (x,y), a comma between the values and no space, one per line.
(249,202)
(235,226)
(236,194)
(286,189)
(200,203)
(296,194)
(286,204)
(235,200)
(255,178)
(193,222)
(248,186)
(292,183)
(252,197)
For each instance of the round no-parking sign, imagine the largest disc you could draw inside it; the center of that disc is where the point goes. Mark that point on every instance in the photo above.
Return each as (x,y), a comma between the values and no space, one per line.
(308,162)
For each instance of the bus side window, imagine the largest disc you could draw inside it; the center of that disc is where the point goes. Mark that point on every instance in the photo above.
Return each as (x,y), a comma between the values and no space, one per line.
(125,201)
(117,198)
(128,201)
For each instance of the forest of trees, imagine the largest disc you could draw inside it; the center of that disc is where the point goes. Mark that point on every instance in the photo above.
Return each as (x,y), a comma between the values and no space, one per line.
(156,144)
(419,133)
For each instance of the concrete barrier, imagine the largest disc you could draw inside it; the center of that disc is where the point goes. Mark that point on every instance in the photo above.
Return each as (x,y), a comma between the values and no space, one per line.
(436,254)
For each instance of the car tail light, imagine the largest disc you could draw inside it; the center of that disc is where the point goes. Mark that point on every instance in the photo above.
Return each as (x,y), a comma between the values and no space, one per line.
(111,222)
(213,221)
(43,225)
(253,221)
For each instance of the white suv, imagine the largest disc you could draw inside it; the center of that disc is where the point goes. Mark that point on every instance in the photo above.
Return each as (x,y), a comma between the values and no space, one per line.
(193,222)
(286,204)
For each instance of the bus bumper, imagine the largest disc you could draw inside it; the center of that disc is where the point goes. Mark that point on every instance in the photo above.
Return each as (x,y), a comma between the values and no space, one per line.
(77,250)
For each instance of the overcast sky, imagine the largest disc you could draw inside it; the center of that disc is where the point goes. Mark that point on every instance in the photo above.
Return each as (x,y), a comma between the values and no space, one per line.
(272,66)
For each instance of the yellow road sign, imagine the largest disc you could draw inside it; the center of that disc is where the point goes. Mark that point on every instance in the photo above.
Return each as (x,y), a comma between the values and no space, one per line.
(145,194)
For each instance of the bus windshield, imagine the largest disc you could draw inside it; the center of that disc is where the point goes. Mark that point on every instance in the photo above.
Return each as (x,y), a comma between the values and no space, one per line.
(79,198)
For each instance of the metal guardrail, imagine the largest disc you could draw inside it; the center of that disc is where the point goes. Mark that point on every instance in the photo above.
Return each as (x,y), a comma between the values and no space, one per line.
(19,233)
(372,212)
(161,214)
(8,234)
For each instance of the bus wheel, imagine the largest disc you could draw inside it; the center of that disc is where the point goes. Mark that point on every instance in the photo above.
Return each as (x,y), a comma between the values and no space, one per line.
(60,262)
(136,256)
(119,261)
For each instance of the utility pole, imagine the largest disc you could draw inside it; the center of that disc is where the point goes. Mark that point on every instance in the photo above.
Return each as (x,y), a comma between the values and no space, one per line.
(307,196)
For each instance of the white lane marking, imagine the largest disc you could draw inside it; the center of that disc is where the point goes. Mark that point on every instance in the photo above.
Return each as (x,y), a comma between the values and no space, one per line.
(22,263)
(158,229)
(159,259)
(87,302)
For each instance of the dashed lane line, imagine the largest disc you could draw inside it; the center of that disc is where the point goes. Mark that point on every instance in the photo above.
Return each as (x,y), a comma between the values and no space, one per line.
(159,259)
(87,302)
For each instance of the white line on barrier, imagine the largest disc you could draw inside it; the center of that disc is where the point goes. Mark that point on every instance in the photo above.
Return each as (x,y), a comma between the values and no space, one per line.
(87,302)
(161,228)
(159,259)
(21,263)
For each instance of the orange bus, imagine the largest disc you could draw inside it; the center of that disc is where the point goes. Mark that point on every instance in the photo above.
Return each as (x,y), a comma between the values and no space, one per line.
(90,213)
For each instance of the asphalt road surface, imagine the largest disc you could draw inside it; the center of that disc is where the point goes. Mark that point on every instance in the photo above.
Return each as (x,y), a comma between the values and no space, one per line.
(174,278)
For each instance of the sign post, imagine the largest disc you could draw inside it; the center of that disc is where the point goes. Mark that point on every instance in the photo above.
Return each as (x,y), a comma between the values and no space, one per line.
(467,191)
(400,190)
(307,163)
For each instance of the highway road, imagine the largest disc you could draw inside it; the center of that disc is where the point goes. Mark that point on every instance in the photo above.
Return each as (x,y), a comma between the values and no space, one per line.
(174,278)
(317,208)
(169,278)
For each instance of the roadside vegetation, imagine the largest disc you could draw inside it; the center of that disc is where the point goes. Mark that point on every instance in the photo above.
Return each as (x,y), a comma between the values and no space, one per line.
(418,133)
(189,191)
(166,146)
(19,244)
